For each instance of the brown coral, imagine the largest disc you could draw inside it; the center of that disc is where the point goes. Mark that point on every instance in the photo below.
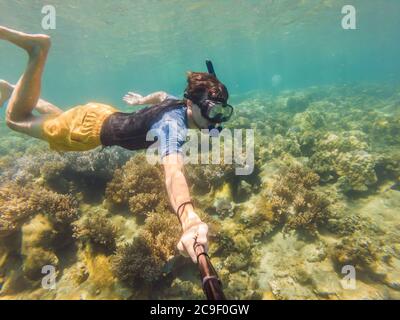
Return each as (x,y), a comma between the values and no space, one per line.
(96,229)
(17,204)
(295,203)
(163,231)
(141,262)
(360,252)
(62,209)
(139,186)
(135,265)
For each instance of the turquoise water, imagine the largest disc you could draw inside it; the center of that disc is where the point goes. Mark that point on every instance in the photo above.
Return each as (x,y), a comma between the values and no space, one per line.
(102,49)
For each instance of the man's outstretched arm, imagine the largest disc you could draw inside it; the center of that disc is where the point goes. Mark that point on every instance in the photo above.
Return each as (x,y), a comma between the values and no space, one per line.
(135,99)
(194,230)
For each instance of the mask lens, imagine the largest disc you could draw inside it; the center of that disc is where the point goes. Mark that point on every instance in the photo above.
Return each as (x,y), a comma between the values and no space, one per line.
(220,112)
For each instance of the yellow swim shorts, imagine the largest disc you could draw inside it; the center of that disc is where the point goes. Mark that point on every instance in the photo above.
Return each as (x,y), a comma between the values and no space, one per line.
(77,129)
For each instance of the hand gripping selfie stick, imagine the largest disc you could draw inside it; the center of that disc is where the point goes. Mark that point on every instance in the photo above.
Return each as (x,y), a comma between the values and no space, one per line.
(212,286)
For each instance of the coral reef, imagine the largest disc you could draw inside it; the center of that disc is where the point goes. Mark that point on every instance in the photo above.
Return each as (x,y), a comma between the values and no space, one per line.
(139,186)
(142,261)
(135,265)
(17,204)
(205,177)
(360,252)
(163,231)
(324,194)
(38,237)
(88,171)
(294,202)
(185,288)
(345,157)
(97,229)
(241,286)
(61,209)
(35,260)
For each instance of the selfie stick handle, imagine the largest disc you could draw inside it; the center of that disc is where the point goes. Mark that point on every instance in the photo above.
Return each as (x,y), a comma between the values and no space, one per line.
(212,286)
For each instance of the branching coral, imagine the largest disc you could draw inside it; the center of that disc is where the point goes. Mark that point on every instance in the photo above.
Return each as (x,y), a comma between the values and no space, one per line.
(189,290)
(139,186)
(281,145)
(361,253)
(135,265)
(62,209)
(388,164)
(356,171)
(347,223)
(231,238)
(163,231)
(311,119)
(17,204)
(235,254)
(241,286)
(235,246)
(295,203)
(345,156)
(205,177)
(20,202)
(97,229)
(87,171)
(141,262)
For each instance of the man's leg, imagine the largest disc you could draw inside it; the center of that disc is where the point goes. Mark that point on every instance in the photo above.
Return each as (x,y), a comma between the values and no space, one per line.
(43,106)
(6,90)
(27,91)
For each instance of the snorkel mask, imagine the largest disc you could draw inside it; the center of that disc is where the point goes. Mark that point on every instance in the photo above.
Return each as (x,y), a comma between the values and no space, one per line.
(213,109)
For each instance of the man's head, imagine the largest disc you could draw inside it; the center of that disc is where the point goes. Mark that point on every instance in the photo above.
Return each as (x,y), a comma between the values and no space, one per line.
(203,83)
(210,95)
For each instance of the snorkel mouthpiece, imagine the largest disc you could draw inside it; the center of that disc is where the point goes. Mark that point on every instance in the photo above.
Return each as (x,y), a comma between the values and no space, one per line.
(214,131)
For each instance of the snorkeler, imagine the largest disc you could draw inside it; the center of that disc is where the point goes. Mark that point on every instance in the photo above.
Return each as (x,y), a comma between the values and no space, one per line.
(88,126)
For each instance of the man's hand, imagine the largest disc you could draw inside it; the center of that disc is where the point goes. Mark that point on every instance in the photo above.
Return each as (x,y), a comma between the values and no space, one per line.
(133,99)
(195,233)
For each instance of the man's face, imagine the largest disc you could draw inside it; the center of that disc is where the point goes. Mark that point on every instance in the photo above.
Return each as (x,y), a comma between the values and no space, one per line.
(198,118)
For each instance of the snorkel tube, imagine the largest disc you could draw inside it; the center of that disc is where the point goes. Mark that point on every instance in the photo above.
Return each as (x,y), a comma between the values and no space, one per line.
(211,70)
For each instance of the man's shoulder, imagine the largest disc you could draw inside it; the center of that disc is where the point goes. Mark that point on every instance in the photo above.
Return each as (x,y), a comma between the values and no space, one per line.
(177,113)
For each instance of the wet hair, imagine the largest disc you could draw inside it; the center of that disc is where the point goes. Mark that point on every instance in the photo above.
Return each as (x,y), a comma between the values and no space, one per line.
(201,83)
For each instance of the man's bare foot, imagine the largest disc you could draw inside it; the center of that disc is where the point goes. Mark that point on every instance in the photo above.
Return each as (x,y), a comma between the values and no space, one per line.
(32,43)
(6,90)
